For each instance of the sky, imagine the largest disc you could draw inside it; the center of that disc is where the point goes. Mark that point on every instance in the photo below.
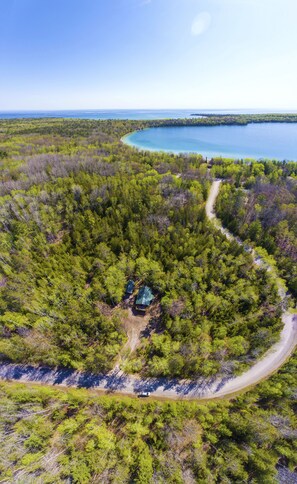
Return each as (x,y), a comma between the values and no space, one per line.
(146,54)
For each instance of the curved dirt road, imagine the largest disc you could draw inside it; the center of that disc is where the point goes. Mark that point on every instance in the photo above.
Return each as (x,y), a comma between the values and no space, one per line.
(278,353)
(202,388)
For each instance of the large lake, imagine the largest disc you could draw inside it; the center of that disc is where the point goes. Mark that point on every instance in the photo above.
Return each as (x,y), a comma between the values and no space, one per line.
(128,113)
(276,141)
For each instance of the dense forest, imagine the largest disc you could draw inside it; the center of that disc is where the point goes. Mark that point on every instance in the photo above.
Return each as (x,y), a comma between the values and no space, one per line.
(266,215)
(50,436)
(81,213)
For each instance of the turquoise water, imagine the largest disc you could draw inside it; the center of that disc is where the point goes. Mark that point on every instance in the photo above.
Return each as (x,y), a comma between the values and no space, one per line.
(276,141)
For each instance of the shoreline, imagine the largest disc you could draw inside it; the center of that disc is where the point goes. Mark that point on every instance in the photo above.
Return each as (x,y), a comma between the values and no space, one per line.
(206,154)
(155,150)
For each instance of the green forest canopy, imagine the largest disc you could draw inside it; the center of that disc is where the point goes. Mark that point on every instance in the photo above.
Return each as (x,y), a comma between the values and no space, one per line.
(81,213)
(56,177)
(51,436)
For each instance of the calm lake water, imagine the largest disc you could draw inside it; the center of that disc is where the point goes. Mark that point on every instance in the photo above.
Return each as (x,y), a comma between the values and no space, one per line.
(276,141)
(136,114)
(126,113)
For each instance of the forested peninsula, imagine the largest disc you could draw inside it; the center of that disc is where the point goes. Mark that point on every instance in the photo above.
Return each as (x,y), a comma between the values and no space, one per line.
(81,214)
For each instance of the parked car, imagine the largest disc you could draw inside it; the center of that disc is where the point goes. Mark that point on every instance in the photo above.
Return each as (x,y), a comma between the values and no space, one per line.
(144,394)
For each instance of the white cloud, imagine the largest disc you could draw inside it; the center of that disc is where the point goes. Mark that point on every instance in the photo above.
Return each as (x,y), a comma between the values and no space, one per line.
(201,23)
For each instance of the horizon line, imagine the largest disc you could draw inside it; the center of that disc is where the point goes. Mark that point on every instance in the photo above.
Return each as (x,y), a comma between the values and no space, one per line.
(142,109)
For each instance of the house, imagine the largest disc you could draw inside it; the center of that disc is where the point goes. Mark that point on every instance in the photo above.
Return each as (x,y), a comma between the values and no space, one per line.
(144,298)
(130,287)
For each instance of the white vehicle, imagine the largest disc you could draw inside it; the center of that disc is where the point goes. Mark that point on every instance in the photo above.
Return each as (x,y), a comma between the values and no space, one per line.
(144,394)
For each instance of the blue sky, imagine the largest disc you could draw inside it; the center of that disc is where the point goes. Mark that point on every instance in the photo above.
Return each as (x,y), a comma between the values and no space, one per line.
(99,54)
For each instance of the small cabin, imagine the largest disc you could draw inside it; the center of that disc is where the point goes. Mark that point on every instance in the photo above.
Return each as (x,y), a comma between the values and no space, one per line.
(130,287)
(144,298)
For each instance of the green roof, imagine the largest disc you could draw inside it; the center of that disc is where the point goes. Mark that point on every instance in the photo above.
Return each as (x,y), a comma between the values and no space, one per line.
(144,296)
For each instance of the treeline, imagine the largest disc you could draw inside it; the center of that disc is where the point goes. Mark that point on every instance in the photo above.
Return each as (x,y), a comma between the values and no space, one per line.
(251,118)
(118,128)
(248,172)
(226,119)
